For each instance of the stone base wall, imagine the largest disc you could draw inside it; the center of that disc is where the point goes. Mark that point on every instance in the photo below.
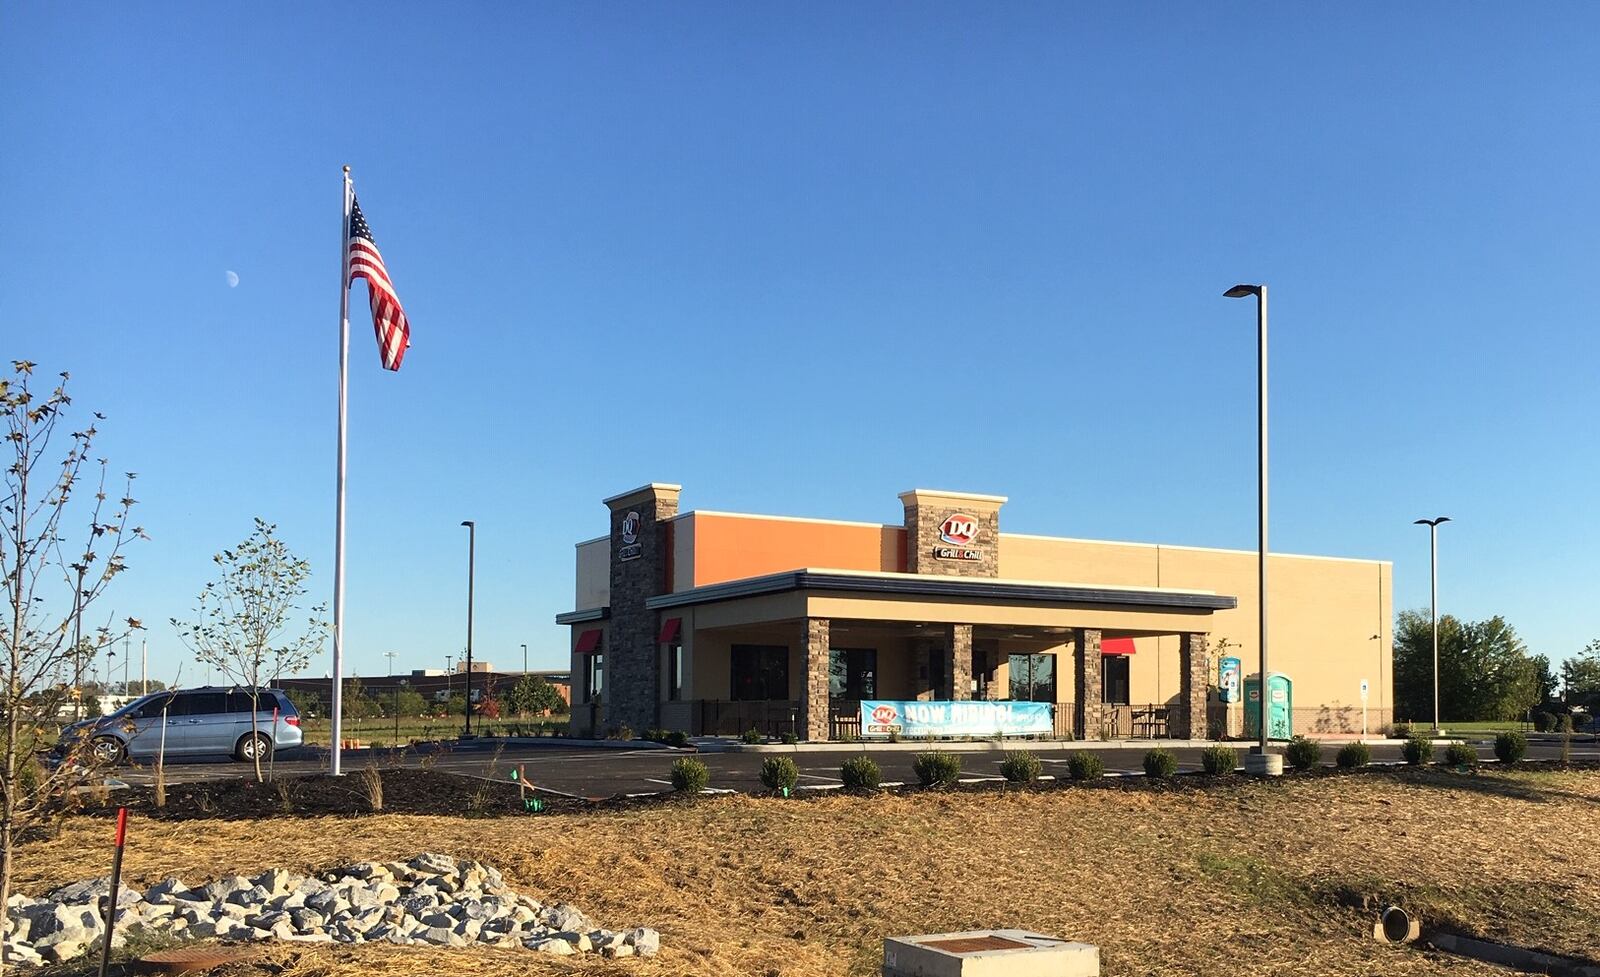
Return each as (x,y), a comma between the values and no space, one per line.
(1194,666)
(958,660)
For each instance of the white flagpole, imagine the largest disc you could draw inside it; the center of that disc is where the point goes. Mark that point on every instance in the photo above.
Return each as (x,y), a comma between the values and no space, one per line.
(337,708)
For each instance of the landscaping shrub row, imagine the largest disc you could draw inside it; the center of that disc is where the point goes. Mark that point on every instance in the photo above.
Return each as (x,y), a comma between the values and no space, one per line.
(939,768)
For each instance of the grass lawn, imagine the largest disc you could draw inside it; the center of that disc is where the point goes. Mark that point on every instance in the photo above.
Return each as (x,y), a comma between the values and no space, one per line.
(1246,879)
(381,732)
(1483,727)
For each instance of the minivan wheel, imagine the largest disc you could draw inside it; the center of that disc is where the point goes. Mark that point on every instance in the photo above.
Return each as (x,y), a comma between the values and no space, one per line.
(252,747)
(107,749)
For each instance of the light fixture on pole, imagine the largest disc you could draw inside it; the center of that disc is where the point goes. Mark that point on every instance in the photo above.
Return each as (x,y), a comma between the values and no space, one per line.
(472,551)
(524,659)
(1267,763)
(1433,602)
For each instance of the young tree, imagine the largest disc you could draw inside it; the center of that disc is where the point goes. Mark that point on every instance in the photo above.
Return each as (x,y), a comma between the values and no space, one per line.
(532,694)
(51,575)
(410,704)
(244,620)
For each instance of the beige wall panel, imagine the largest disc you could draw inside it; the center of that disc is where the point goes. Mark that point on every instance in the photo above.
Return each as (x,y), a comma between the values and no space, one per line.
(683,533)
(594,575)
(1077,561)
(1322,619)
(750,611)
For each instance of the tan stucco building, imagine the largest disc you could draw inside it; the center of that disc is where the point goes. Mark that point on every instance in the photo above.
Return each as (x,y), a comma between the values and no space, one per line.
(716,622)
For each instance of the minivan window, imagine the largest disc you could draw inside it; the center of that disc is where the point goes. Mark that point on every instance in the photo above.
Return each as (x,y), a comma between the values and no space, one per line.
(202,703)
(152,709)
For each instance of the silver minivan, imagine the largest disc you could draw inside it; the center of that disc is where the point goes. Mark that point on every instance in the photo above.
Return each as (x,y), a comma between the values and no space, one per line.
(209,721)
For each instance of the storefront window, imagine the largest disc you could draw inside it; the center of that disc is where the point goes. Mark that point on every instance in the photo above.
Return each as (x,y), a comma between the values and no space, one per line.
(1033,678)
(760,672)
(1114,679)
(597,676)
(853,673)
(674,673)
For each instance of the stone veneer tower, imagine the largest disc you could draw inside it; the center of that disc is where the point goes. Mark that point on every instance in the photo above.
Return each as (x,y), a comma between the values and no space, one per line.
(953,534)
(639,561)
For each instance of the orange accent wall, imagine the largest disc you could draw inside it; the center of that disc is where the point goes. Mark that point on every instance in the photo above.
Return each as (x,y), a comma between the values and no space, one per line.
(734,547)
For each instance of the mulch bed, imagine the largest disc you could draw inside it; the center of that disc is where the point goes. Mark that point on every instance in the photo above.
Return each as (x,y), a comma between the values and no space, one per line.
(422,791)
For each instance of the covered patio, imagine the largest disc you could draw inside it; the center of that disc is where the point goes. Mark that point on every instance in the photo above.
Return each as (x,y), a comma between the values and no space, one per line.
(796,653)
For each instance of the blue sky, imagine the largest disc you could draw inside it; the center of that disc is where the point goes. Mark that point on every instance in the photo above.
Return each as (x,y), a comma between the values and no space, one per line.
(802,258)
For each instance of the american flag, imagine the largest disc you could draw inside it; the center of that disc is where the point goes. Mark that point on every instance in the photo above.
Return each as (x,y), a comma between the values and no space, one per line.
(388,319)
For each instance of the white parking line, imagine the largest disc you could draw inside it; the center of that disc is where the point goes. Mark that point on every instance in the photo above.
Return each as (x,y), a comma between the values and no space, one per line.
(808,776)
(648,780)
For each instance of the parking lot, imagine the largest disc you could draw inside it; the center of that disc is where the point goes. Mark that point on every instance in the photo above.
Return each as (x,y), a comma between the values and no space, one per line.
(596,772)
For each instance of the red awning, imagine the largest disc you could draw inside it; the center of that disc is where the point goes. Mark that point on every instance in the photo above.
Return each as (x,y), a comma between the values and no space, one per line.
(1116,646)
(588,642)
(669,630)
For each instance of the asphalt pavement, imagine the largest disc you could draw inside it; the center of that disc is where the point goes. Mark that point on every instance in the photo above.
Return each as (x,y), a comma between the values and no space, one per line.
(598,772)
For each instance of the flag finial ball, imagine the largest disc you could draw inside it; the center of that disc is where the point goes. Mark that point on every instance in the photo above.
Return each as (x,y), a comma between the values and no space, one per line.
(347,167)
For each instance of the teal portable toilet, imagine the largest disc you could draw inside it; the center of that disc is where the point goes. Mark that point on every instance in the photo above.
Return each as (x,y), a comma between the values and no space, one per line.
(1280,707)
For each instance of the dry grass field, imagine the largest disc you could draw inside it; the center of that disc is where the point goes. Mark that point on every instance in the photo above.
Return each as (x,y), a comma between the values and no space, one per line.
(1245,879)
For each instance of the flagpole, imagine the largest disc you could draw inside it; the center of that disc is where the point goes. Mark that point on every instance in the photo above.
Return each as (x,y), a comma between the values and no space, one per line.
(337,707)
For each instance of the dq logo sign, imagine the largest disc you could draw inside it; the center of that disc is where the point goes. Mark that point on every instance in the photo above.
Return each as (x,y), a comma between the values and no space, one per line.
(630,528)
(958,530)
(884,715)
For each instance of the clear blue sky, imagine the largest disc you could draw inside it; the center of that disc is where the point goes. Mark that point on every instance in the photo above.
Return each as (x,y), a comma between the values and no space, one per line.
(746,247)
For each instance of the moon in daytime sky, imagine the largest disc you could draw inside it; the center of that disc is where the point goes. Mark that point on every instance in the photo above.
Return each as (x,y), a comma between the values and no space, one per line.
(233,279)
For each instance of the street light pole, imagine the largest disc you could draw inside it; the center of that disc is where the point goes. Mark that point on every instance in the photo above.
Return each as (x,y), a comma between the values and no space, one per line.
(524,659)
(472,553)
(1433,602)
(1260,293)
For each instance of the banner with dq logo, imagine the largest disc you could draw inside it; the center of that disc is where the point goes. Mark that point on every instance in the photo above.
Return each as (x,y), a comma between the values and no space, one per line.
(968,718)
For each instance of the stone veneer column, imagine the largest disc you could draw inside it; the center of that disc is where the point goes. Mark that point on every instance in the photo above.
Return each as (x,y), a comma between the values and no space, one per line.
(1086,684)
(814,720)
(1194,680)
(633,673)
(958,659)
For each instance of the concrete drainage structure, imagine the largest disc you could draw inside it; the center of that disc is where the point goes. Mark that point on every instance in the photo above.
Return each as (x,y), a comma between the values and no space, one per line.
(1396,926)
(988,953)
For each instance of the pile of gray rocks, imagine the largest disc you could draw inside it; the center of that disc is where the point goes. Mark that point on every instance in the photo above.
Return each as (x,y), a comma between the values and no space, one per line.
(431,899)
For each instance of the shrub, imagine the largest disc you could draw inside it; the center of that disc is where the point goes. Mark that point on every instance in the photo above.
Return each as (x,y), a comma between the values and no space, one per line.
(1564,723)
(1418,750)
(689,776)
(676,737)
(1085,766)
(1544,721)
(1510,746)
(779,773)
(1461,755)
(624,732)
(1353,755)
(1160,764)
(936,768)
(1219,759)
(1302,753)
(860,773)
(653,735)
(1401,731)
(1021,767)
(789,739)
(751,735)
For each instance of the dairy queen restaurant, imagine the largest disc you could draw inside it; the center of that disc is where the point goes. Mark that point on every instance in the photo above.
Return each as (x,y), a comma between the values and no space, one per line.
(716,623)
